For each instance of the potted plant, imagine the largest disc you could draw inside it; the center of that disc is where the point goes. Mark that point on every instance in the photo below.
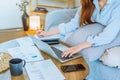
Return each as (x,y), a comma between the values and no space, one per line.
(25,17)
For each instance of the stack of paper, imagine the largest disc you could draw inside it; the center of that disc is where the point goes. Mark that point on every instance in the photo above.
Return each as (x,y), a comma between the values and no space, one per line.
(43,70)
(26,51)
(25,41)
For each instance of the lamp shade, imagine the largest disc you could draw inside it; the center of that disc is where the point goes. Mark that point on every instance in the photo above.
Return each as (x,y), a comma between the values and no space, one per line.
(34,23)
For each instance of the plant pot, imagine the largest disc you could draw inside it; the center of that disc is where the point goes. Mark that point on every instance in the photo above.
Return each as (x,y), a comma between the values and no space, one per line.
(25,21)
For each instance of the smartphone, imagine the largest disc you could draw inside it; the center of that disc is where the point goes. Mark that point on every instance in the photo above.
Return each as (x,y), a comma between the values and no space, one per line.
(70,68)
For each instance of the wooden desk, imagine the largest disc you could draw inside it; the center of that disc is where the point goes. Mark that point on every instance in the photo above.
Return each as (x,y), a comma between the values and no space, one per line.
(79,75)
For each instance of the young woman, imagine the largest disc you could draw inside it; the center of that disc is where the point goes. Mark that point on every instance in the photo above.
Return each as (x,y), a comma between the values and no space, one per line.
(104,12)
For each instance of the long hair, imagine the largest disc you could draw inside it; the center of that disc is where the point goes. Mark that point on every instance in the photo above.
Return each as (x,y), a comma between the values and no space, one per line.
(86,12)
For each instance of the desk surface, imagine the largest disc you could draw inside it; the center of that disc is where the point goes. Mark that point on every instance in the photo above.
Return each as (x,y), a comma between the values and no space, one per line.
(79,75)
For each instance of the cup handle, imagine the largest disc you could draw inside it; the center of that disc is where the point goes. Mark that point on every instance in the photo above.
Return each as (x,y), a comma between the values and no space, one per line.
(24,63)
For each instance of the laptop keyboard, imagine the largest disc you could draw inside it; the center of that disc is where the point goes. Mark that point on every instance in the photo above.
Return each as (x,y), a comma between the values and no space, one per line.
(58,53)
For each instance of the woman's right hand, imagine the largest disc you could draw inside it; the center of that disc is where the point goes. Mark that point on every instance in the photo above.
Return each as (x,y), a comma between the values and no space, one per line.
(41,33)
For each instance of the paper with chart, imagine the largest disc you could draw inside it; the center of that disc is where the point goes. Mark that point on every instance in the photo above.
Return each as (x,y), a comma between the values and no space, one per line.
(28,53)
(43,70)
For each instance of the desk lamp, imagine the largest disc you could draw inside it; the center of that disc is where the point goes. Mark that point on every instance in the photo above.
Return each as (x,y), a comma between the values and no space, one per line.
(34,23)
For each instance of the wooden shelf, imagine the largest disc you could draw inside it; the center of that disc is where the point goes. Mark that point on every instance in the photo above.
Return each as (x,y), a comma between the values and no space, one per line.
(54,3)
(37,13)
(48,5)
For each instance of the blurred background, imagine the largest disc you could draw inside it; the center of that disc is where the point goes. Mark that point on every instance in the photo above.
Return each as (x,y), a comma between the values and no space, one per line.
(10,14)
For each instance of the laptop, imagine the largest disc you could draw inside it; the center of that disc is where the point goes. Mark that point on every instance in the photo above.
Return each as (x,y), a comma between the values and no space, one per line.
(53,50)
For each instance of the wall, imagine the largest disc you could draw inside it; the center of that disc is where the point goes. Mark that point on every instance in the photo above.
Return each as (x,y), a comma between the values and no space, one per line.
(77,2)
(10,15)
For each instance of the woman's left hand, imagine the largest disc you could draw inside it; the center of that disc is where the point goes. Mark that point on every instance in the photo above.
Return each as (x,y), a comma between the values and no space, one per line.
(73,50)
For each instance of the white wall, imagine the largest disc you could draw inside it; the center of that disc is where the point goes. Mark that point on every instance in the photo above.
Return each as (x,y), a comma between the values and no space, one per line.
(77,3)
(10,15)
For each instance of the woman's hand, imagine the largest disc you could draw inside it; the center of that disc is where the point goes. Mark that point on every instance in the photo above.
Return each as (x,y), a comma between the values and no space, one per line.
(70,51)
(41,33)
(73,50)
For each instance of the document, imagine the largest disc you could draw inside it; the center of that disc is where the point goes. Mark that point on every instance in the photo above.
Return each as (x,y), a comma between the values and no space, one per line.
(43,70)
(36,67)
(25,41)
(28,53)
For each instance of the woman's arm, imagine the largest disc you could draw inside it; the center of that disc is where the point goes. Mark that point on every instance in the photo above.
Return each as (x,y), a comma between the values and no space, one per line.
(63,28)
(47,33)
(111,30)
